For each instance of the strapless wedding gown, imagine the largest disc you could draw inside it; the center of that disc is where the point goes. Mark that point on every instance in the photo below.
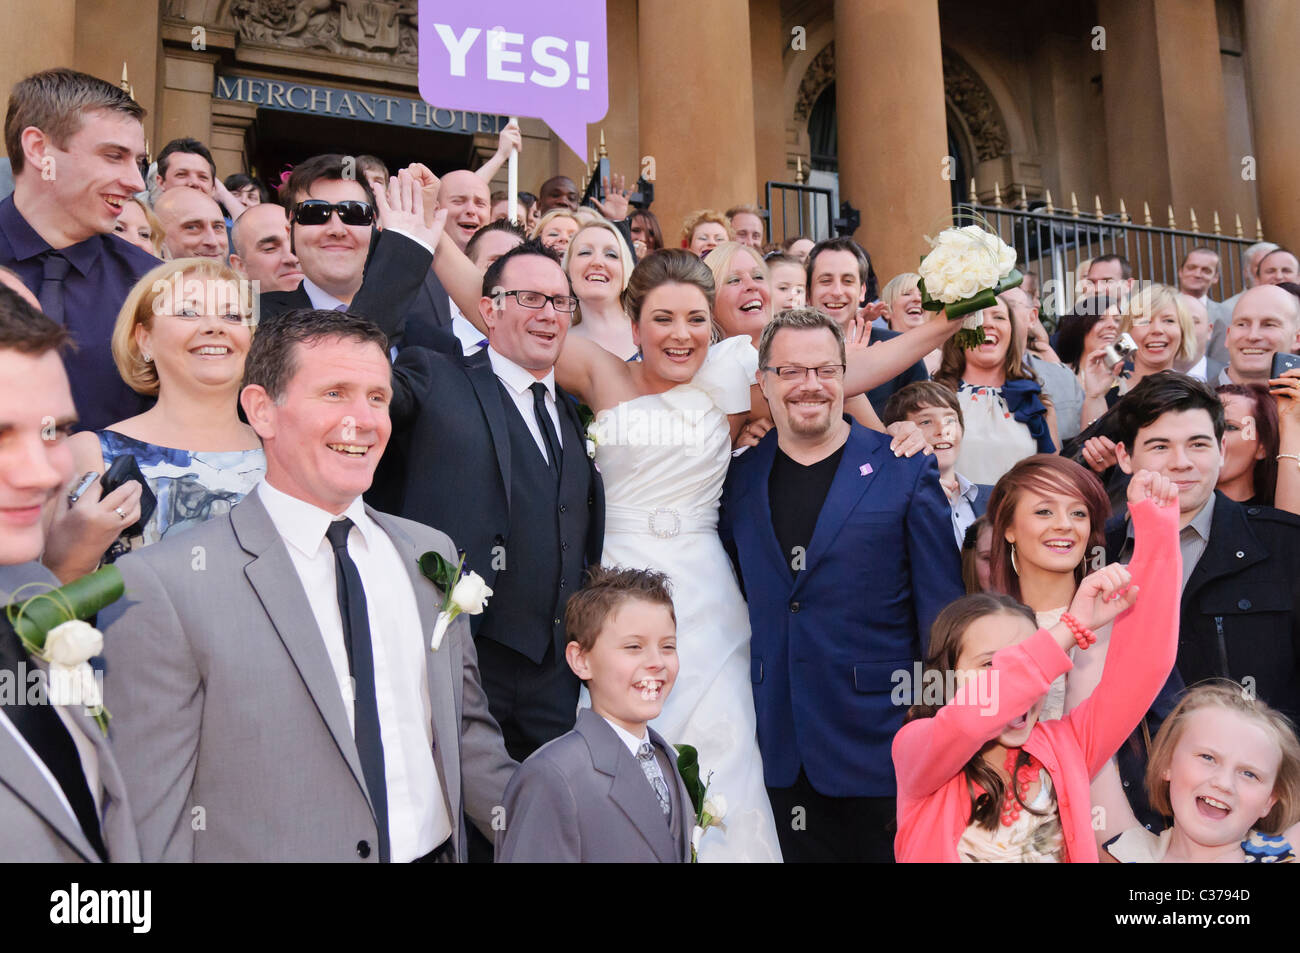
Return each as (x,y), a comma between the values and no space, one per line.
(663,458)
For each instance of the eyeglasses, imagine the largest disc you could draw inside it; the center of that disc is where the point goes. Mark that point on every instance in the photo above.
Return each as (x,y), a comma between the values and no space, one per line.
(318,212)
(564,304)
(793,372)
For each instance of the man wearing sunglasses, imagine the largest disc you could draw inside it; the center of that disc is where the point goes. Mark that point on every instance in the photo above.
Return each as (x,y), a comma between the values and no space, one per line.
(333,224)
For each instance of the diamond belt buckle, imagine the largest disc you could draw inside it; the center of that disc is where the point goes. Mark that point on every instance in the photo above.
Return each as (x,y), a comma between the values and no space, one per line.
(665,532)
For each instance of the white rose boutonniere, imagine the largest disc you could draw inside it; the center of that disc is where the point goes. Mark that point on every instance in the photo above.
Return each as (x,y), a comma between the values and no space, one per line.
(963,274)
(591,431)
(466,593)
(72,643)
(50,627)
(710,809)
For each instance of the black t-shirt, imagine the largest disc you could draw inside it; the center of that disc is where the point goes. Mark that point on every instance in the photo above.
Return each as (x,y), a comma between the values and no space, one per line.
(796,494)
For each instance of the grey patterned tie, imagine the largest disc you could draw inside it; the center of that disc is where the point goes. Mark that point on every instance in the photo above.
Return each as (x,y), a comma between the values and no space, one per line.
(650,768)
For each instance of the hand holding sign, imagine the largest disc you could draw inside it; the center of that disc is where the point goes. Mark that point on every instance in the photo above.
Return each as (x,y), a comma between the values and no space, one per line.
(509,139)
(504,56)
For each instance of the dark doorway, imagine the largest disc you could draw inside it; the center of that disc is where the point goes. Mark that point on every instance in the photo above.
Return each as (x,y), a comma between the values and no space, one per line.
(279,139)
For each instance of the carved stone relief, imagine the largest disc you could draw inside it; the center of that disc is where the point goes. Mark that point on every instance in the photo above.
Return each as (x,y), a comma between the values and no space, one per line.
(378,30)
(962,87)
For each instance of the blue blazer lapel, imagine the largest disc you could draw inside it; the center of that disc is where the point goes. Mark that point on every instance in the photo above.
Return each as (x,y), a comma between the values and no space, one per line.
(858,469)
(479,370)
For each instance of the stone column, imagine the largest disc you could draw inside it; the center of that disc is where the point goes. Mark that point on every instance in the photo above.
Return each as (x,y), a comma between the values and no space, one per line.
(186,106)
(768,43)
(696,106)
(38,35)
(891,126)
(1168,145)
(109,34)
(1274,76)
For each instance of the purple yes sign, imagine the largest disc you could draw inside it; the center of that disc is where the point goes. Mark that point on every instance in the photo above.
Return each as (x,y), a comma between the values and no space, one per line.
(518,58)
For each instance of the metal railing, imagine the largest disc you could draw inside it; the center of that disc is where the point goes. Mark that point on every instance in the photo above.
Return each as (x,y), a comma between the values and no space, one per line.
(1053,242)
(810,209)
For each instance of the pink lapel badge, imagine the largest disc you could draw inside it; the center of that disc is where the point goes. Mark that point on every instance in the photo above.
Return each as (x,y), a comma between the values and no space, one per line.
(865,469)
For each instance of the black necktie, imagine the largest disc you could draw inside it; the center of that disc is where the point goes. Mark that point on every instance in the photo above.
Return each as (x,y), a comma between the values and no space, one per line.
(548,429)
(361,662)
(42,728)
(54,268)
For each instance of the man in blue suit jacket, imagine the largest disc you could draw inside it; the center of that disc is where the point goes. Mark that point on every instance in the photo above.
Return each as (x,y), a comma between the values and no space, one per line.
(827,525)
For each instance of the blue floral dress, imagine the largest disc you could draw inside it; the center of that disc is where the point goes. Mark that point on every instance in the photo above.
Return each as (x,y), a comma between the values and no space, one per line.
(192,487)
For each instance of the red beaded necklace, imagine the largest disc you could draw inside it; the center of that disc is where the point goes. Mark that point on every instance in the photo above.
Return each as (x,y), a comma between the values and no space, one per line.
(1019,785)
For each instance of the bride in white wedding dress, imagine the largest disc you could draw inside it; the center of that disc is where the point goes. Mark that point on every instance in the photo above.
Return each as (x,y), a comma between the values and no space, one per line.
(663,458)
(663,437)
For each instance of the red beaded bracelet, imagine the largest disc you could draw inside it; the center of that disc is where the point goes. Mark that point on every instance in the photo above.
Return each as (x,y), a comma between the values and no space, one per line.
(1082,635)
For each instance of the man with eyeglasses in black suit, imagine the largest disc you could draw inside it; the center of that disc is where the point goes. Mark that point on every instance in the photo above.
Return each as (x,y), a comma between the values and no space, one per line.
(493,452)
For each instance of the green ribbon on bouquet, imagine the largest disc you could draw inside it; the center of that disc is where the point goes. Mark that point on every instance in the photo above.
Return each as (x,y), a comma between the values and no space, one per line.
(970,337)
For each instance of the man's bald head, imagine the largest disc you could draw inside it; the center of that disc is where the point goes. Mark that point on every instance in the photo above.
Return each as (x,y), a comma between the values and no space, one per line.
(1265,320)
(468,202)
(260,248)
(193,226)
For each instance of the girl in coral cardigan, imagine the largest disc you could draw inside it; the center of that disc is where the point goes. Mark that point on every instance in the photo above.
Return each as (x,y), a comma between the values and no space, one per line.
(979,777)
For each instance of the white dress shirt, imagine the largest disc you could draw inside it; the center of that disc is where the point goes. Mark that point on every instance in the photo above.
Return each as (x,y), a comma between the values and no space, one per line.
(418,817)
(963,508)
(632,741)
(1200,369)
(519,384)
(472,340)
(321,299)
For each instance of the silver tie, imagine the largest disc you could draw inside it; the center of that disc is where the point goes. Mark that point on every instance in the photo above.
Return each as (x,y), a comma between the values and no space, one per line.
(646,756)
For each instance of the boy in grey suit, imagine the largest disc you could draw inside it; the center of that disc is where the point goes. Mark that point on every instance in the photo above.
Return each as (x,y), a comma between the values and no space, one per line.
(609,790)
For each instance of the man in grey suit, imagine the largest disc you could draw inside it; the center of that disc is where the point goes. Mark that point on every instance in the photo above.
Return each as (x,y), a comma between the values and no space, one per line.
(61,795)
(274,692)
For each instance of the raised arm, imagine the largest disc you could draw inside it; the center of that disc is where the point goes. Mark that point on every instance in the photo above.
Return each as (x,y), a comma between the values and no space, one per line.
(396,269)
(1287,391)
(886,360)
(929,752)
(508,140)
(1144,640)
(462,279)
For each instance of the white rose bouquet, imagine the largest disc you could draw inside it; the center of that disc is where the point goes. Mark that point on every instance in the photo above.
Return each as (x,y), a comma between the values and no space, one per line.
(50,627)
(464,593)
(963,274)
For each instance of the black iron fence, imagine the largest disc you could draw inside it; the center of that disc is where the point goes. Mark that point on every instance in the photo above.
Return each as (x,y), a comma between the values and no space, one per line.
(797,209)
(1053,243)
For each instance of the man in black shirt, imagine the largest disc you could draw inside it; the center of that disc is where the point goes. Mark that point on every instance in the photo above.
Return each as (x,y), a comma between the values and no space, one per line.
(828,527)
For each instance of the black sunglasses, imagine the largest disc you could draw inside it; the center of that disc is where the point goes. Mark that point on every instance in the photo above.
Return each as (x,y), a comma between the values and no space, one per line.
(318,212)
